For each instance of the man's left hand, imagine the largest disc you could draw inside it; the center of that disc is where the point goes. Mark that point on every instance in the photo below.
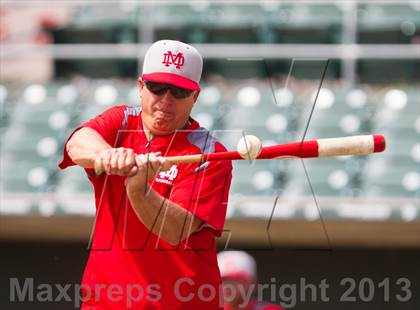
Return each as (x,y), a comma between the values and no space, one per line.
(149,165)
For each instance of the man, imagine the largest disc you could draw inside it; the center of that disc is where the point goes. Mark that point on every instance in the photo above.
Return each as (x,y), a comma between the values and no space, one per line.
(153,245)
(239,275)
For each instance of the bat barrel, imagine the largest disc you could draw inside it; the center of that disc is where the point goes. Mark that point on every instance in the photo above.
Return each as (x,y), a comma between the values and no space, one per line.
(355,145)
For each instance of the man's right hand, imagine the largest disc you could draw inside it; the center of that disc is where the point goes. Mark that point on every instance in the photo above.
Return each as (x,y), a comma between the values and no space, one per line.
(119,161)
(86,147)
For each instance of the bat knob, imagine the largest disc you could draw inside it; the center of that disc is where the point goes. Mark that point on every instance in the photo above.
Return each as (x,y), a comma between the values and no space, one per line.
(378,143)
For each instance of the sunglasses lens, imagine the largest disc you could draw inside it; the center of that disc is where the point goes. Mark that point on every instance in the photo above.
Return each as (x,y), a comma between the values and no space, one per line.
(180,93)
(161,88)
(156,88)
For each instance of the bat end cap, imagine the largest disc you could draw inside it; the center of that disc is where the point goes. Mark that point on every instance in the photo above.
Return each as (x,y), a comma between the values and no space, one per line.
(378,143)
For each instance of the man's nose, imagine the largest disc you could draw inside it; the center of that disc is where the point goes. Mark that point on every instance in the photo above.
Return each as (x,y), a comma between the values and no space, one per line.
(168,96)
(167,101)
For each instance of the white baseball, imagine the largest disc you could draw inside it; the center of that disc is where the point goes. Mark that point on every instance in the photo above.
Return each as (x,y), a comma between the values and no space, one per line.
(249,147)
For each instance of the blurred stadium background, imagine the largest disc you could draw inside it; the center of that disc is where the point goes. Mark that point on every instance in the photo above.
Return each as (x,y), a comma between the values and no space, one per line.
(62,62)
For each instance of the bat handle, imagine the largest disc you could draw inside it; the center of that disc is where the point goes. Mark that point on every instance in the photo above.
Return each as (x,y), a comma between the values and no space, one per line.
(195,158)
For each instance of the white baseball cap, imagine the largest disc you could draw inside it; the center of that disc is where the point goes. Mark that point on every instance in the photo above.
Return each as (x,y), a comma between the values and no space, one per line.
(237,265)
(173,62)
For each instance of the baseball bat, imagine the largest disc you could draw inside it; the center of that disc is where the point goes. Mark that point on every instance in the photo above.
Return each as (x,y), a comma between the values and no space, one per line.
(353,145)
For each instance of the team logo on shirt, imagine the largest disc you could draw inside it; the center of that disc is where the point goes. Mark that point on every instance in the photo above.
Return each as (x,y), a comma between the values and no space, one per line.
(171,59)
(167,177)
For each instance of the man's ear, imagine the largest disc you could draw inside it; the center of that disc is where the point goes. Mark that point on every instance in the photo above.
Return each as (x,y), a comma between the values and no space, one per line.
(141,84)
(196,93)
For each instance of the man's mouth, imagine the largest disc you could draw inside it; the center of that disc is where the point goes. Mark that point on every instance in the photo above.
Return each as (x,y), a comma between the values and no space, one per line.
(164,113)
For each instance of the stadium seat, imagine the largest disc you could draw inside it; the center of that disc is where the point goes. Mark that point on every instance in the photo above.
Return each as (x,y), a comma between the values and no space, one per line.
(74,192)
(350,116)
(255,178)
(296,23)
(73,180)
(400,179)
(256,111)
(386,16)
(209,108)
(328,177)
(24,176)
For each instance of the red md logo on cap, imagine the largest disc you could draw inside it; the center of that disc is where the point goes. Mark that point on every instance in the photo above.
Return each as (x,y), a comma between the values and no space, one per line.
(171,59)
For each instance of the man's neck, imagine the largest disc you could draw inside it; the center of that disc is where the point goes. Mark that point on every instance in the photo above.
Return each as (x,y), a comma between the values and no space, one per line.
(150,136)
(147,133)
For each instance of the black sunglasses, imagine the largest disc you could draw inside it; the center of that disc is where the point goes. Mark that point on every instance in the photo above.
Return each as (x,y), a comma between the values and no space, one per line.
(161,89)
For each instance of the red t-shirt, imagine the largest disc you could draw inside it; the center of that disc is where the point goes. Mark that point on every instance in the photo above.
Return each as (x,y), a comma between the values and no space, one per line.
(130,267)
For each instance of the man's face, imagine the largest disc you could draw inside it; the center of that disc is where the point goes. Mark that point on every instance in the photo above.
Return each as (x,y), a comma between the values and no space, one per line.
(163,114)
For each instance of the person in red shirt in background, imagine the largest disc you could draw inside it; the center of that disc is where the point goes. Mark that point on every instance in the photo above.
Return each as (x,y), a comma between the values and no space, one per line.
(239,276)
(153,245)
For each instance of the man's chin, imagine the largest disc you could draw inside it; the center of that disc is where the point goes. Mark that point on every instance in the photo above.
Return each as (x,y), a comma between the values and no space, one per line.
(162,129)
